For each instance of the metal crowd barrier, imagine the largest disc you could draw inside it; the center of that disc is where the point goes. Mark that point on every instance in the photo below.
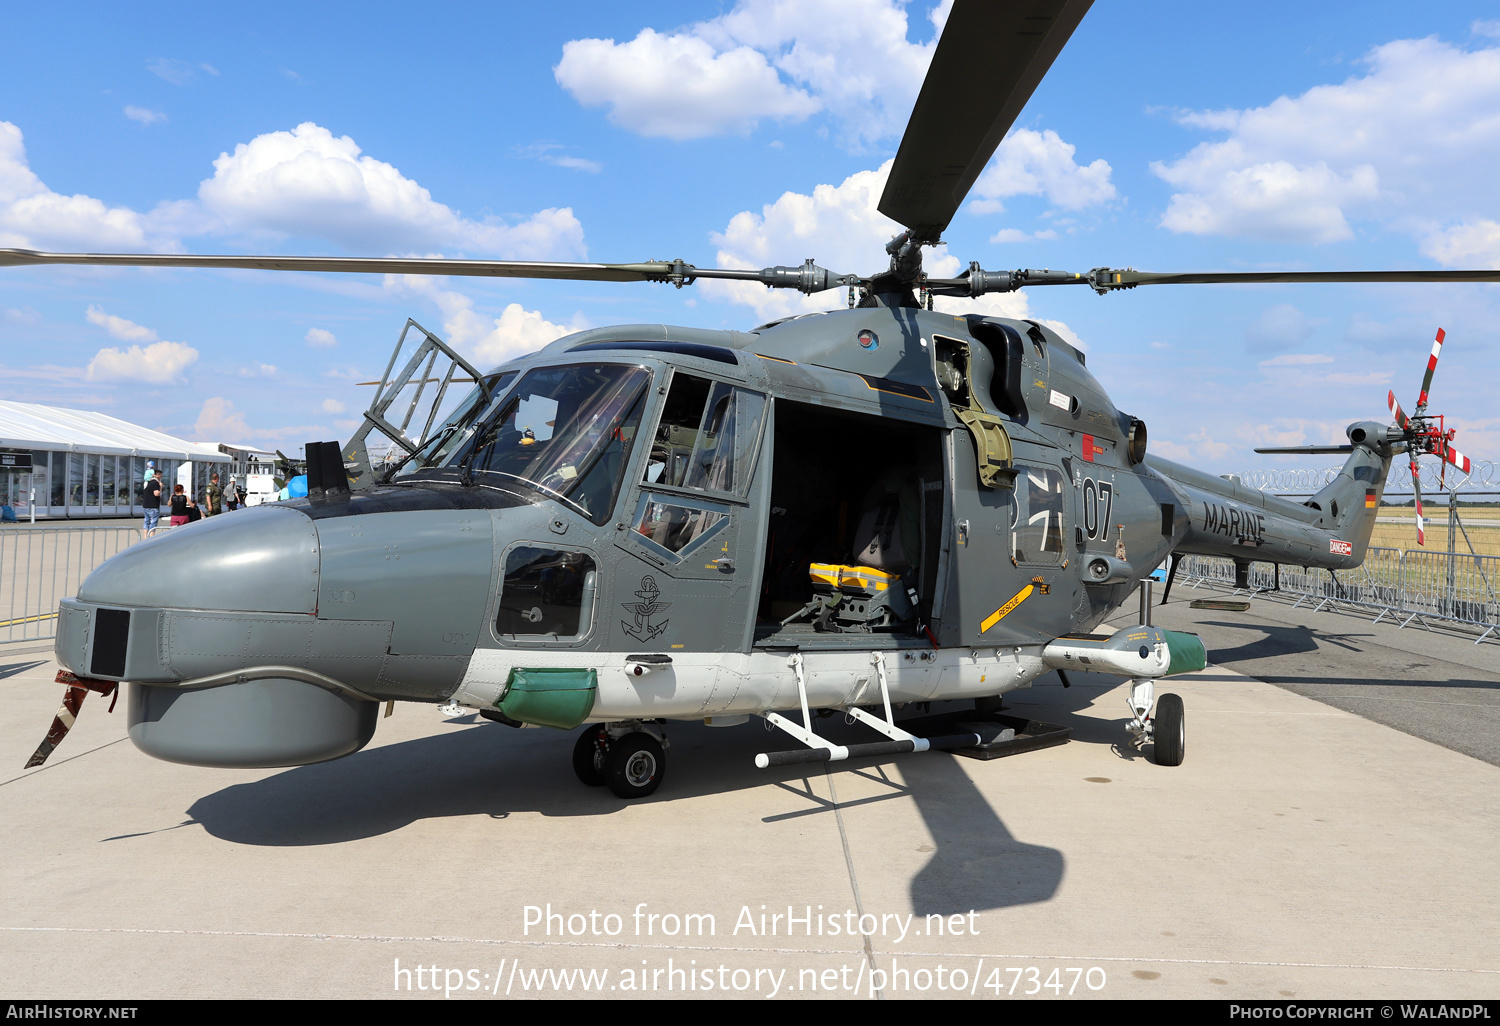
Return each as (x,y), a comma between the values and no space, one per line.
(40,566)
(1403,586)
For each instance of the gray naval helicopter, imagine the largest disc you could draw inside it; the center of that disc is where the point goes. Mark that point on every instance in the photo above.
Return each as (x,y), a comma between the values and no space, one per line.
(854,510)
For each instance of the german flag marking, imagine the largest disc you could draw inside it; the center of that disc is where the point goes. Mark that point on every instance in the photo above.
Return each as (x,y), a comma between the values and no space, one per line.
(1003,611)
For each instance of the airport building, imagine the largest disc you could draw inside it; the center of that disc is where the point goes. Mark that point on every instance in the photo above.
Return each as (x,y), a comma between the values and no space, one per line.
(83,464)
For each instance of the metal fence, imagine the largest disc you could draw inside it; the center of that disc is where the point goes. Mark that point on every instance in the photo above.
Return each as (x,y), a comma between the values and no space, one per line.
(1436,479)
(40,566)
(1405,587)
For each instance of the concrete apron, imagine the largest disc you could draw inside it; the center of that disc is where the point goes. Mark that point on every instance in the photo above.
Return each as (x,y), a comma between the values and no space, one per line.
(1299,851)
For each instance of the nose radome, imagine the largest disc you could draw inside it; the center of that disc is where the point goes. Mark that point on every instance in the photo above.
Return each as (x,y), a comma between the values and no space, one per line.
(262,560)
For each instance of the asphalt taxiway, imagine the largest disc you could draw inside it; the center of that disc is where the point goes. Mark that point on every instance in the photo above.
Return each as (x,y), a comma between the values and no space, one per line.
(1305,848)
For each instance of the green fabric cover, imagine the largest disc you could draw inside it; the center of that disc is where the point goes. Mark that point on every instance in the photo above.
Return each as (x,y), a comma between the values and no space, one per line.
(1188,653)
(550,696)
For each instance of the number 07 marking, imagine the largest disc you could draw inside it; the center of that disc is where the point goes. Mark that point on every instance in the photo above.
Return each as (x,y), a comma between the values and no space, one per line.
(1098,504)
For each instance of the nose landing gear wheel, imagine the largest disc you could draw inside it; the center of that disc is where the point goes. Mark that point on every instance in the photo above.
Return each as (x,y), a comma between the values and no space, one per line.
(590,753)
(1169,731)
(634,765)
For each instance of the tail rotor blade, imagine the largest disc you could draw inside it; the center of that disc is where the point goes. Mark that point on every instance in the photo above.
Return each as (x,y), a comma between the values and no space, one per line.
(1456,458)
(1437,347)
(1401,421)
(1416,487)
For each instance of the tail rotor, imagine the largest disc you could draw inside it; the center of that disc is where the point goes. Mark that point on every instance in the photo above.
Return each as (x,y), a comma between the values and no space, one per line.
(1424,433)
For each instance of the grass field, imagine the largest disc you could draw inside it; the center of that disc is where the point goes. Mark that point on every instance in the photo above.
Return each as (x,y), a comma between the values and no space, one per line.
(1483,523)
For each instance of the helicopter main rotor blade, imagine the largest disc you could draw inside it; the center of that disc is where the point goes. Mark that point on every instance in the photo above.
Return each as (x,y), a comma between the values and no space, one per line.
(808,278)
(1129,279)
(987,64)
(653,271)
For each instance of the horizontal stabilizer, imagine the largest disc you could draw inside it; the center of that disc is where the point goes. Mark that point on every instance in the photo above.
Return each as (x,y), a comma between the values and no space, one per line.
(1310,450)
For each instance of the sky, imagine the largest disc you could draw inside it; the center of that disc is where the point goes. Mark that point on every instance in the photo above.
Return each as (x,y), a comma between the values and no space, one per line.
(1167,136)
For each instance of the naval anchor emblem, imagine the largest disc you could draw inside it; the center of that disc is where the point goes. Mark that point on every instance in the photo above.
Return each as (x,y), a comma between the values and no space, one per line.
(644,610)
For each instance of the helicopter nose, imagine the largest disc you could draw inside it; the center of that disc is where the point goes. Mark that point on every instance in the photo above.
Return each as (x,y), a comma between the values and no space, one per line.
(263,559)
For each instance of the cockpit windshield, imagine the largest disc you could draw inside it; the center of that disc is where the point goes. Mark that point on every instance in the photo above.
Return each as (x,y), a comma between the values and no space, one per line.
(565,430)
(454,431)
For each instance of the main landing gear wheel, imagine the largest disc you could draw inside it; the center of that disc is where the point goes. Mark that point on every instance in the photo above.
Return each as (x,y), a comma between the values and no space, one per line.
(1169,731)
(634,766)
(590,753)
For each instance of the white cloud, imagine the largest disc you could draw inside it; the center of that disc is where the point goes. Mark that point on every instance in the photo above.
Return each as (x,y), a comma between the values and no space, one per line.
(837,225)
(160,363)
(332,406)
(321,338)
(219,421)
(1282,326)
(485,341)
(1372,378)
(178,72)
(577,164)
(304,183)
(1409,145)
(678,86)
(1288,431)
(144,115)
(119,327)
(546,152)
(1296,360)
(842,229)
(33,216)
(849,57)
(1030,163)
(258,370)
(308,183)
(1475,244)
(1013,235)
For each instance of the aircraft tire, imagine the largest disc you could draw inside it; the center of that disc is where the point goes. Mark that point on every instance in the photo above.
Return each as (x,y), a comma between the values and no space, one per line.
(635,765)
(1170,731)
(590,754)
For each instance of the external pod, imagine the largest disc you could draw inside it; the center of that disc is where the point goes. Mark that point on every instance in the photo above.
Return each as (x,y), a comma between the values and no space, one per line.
(256,724)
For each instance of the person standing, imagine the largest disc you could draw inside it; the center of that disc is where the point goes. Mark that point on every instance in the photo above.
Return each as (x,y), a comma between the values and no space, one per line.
(215,497)
(179,506)
(151,502)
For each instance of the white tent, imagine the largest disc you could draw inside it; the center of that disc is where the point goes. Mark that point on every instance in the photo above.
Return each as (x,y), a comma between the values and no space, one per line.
(30,426)
(88,464)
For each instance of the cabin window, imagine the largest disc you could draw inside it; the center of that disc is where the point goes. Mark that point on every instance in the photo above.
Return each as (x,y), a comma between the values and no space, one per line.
(706,438)
(547,593)
(675,526)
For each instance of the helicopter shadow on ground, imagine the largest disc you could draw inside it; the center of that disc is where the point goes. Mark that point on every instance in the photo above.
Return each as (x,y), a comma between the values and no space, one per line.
(11,669)
(1279,641)
(976,862)
(487,769)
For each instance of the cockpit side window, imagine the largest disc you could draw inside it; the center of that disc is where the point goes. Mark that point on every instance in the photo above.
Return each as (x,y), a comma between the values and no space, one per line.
(567,431)
(706,437)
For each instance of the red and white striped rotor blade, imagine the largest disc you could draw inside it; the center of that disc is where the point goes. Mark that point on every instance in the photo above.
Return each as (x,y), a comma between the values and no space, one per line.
(1416,488)
(1397,412)
(1455,457)
(1437,347)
